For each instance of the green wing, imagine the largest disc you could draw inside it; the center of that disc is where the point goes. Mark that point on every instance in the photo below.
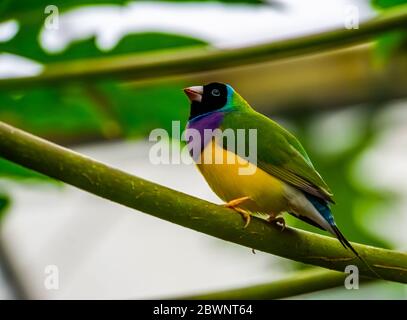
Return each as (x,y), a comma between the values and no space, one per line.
(279,153)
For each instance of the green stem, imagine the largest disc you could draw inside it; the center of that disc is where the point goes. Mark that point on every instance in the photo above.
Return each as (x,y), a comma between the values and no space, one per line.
(118,186)
(191,60)
(301,282)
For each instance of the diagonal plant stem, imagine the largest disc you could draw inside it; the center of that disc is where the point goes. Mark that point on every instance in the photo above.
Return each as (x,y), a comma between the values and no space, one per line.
(301,282)
(198,59)
(123,188)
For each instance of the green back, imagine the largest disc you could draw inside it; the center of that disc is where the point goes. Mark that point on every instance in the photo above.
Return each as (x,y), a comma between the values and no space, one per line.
(279,153)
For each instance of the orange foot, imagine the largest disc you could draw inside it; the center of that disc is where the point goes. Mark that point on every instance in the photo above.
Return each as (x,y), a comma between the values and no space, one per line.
(233,204)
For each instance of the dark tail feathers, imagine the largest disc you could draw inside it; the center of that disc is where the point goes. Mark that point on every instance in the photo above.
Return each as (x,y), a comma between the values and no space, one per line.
(346,244)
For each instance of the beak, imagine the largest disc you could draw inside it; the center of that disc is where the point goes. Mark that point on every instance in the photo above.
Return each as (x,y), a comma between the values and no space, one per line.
(194,93)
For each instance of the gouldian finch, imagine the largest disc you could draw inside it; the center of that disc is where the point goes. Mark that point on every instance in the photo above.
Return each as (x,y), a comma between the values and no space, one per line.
(284,179)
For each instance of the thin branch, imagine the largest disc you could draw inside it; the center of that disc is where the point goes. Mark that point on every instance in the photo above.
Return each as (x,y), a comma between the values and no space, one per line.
(123,188)
(301,282)
(199,59)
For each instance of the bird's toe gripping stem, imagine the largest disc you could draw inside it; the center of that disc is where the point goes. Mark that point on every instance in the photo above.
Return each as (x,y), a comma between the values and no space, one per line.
(279,221)
(233,204)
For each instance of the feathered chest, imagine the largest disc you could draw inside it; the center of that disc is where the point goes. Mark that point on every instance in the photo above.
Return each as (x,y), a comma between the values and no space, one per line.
(200,131)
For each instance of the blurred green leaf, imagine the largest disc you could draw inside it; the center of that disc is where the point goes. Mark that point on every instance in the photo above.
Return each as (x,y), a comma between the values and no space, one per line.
(383,4)
(391,42)
(388,44)
(10,170)
(25,44)
(4,204)
(61,111)
(141,109)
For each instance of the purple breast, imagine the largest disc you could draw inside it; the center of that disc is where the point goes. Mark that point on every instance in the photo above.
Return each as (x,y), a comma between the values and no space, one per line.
(197,132)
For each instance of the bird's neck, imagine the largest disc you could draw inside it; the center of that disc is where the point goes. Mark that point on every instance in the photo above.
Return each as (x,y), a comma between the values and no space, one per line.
(198,125)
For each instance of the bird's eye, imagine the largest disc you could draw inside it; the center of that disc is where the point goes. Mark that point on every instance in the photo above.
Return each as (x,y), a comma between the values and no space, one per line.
(215,92)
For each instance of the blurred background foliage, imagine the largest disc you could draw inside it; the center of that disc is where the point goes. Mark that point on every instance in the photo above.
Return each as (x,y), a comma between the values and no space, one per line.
(391,42)
(4,202)
(73,114)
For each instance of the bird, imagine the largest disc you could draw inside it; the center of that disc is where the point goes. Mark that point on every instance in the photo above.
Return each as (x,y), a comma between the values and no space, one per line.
(283,179)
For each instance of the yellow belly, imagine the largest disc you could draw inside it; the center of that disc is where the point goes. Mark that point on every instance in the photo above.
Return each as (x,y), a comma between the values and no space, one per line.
(227,181)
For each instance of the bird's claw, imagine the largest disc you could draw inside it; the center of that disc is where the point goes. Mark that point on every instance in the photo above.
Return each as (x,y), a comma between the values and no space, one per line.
(279,221)
(233,204)
(246,216)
